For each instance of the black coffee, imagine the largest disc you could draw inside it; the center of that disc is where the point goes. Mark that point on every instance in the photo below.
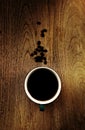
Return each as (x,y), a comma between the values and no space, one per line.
(42,84)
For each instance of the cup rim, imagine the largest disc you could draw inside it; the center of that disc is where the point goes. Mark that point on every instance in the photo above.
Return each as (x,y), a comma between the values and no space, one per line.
(46,101)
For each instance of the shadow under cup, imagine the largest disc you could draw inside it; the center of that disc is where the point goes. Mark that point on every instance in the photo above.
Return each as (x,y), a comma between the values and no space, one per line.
(42,85)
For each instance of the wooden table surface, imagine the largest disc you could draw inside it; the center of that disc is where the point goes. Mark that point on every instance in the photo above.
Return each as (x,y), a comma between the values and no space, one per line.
(21,24)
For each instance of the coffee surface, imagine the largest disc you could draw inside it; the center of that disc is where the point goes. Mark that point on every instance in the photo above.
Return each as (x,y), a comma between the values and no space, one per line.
(42,84)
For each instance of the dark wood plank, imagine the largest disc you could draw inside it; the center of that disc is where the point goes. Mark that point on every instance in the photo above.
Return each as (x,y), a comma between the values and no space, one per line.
(65,42)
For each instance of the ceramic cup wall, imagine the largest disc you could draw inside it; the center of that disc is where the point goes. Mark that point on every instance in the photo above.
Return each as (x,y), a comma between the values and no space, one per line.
(57,91)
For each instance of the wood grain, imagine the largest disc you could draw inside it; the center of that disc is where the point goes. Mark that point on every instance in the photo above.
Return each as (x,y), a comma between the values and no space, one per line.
(65,42)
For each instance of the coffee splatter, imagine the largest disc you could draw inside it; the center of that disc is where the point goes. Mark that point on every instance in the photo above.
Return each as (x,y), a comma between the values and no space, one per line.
(38,22)
(0,32)
(43,32)
(42,35)
(39,53)
(38,43)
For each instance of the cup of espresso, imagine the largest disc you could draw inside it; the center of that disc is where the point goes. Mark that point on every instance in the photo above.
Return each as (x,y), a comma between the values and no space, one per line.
(42,86)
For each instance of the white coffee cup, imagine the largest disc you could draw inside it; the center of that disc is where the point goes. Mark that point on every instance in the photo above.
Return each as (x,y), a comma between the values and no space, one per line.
(38,101)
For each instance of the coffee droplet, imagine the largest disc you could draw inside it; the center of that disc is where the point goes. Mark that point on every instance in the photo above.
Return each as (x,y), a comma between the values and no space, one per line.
(38,59)
(42,35)
(44,30)
(38,22)
(38,43)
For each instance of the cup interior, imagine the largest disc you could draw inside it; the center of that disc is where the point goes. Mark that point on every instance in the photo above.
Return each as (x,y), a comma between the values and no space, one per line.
(42,85)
